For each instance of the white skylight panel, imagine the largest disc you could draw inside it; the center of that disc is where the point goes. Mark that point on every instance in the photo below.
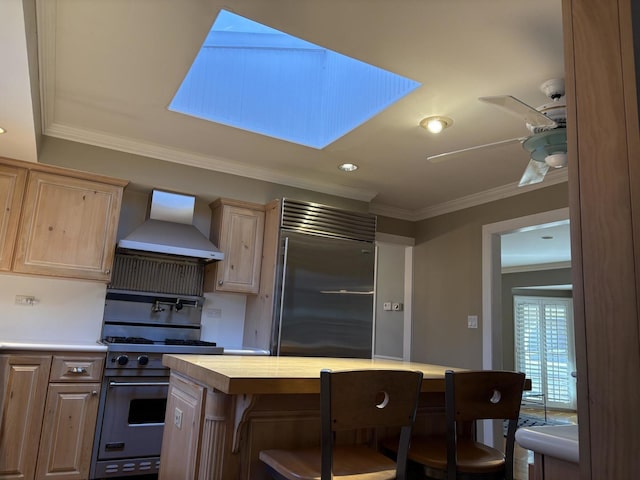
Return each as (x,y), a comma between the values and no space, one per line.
(253,77)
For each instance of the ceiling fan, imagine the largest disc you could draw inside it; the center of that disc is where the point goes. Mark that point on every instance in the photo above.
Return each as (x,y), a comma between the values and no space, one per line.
(547,142)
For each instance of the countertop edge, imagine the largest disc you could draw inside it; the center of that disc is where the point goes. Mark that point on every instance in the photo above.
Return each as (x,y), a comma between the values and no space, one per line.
(558,441)
(53,346)
(249,377)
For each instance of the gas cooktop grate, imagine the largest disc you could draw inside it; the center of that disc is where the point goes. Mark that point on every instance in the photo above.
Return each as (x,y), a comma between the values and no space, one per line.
(167,341)
(135,340)
(177,341)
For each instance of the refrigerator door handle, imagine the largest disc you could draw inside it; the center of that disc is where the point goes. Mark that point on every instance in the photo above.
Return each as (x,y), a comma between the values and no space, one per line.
(284,280)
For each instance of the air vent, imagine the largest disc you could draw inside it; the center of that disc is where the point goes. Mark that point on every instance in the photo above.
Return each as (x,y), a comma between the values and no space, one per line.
(157,275)
(327,221)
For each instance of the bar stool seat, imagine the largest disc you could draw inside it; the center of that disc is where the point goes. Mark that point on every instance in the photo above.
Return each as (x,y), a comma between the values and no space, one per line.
(471,457)
(304,464)
(354,401)
(471,396)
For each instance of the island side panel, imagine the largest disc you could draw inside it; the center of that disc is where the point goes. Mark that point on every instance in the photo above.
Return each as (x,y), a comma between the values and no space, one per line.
(182,429)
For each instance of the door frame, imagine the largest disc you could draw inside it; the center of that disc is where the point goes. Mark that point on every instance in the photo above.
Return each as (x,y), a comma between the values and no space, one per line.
(492,286)
(407,316)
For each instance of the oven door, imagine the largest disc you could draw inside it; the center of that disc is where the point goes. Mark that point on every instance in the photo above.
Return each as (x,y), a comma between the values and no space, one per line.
(133,418)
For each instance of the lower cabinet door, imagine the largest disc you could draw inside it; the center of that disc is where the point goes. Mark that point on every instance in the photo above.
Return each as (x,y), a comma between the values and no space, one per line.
(67,432)
(23,385)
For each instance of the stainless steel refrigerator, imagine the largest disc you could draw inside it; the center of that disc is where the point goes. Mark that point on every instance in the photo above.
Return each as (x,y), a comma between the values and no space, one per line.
(325,287)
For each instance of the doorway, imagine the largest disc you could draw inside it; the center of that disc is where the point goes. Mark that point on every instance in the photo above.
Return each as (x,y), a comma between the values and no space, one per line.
(492,329)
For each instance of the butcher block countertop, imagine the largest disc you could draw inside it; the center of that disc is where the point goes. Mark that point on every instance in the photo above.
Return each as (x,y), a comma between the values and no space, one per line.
(276,375)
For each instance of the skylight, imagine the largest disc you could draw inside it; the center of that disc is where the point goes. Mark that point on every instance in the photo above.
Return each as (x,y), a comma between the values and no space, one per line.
(253,77)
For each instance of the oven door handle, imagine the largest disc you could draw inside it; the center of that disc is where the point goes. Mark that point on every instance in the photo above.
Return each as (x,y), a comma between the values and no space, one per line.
(138,384)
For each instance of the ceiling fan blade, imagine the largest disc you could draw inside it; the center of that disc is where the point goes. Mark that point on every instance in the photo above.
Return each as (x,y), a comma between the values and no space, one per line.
(514,106)
(442,156)
(534,173)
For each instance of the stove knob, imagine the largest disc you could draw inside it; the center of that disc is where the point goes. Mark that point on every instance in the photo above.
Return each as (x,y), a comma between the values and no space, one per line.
(143,360)
(122,360)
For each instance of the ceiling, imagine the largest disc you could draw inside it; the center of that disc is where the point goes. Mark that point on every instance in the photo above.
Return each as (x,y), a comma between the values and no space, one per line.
(543,246)
(106,71)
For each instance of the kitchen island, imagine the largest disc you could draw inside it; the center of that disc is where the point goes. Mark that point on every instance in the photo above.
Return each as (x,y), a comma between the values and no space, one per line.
(222,410)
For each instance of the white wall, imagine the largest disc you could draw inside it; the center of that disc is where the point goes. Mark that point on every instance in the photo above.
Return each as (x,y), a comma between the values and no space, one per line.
(67,311)
(392,338)
(223,319)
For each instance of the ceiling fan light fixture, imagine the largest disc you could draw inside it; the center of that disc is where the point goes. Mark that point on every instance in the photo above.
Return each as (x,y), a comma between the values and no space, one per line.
(435,124)
(556,160)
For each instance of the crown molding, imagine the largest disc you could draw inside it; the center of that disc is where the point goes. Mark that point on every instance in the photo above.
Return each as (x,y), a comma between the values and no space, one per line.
(499,193)
(223,165)
(160,152)
(535,268)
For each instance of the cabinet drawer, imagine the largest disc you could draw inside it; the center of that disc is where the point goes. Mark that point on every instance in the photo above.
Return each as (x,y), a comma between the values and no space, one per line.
(76,369)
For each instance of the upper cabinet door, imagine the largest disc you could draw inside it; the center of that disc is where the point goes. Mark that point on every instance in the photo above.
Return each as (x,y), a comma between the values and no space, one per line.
(238,227)
(68,227)
(12,182)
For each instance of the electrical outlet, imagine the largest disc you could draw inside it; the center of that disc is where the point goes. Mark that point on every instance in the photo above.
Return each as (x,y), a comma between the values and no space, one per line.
(396,307)
(177,418)
(25,300)
(472,321)
(386,306)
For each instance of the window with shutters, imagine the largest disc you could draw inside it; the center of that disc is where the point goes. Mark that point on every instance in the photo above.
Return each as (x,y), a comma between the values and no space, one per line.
(544,347)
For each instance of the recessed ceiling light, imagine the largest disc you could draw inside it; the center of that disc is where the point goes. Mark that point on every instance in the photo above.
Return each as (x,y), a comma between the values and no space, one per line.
(348,167)
(435,124)
(2,130)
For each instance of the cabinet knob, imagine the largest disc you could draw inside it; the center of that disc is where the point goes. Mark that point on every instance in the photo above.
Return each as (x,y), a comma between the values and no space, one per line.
(94,393)
(220,282)
(107,271)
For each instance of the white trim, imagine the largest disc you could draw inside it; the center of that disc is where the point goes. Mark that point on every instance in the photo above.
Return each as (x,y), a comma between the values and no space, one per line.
(492,326)
(395,239)
(407,313)
(375,302)
(184,157)
(499,193)
(535,268)
(387,357)
(408,305)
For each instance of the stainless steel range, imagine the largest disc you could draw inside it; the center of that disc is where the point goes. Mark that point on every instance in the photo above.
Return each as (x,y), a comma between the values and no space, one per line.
(138,329)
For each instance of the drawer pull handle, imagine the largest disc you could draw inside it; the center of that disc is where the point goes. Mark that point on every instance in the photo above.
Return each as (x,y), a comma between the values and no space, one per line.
(77,371)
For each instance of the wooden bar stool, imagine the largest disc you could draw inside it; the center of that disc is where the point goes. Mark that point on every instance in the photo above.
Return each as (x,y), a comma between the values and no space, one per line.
(352,400)
(471,396)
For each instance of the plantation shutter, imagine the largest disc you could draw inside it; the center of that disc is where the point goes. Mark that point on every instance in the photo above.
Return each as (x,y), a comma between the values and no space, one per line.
(544,347)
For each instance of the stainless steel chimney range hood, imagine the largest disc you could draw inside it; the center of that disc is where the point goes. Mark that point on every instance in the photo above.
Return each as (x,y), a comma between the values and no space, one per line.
(170,230)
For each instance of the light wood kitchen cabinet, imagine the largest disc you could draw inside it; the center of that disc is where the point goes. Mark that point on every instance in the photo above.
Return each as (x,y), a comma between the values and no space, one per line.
(62,223)
(237,229)
(67,431)
(68,227)
(12,183)
(258,322)
(49,412)
(24,380)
